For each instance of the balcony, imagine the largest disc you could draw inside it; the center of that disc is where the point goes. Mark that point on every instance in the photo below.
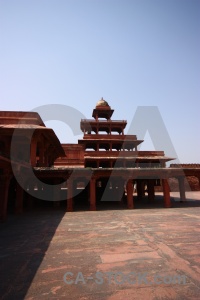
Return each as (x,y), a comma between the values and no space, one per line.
(124,154)
(92,121)
(117,137)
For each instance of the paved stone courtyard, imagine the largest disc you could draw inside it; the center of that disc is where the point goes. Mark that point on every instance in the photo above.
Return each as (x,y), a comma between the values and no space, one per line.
(139,254)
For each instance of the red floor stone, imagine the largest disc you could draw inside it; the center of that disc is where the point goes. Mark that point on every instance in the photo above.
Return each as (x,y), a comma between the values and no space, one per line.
(39,247)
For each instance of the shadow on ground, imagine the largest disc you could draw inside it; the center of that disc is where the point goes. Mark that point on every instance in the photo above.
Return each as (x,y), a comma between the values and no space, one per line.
(24,241)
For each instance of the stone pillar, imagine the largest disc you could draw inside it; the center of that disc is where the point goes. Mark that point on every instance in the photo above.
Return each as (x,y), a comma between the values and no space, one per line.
(166,193)
(92,194)
(129,188)
(19,199)
(143,186)
(4,186)
(150,187)
(199,180)
(181,188)
(69,195)
(88,194)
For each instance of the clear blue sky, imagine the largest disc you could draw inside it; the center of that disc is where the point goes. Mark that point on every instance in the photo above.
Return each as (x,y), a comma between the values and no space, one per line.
(131,52)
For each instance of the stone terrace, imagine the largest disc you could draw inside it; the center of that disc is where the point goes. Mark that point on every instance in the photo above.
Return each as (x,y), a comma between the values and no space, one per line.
(39,247)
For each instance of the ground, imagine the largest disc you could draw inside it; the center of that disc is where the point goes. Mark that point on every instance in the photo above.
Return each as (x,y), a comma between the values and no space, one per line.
(147,253)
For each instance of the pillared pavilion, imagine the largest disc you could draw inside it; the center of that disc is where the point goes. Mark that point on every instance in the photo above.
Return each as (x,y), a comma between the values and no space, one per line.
(104,166)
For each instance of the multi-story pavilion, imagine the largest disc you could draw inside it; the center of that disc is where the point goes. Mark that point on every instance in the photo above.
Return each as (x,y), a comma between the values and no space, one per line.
(105,165)
(106,146)
(112,163)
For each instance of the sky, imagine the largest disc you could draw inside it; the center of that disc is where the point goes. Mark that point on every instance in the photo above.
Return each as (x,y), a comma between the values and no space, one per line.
(133,53)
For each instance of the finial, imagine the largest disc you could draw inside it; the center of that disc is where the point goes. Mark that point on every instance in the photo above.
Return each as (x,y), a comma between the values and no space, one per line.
(102,102)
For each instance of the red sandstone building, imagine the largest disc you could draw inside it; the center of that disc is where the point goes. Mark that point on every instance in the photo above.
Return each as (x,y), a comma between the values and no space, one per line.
(104,166)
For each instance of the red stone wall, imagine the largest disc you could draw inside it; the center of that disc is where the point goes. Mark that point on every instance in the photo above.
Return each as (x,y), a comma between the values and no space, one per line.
(74,156)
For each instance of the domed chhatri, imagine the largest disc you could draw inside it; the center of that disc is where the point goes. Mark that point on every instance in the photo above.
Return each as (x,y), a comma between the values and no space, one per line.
(102,102)
(102,110)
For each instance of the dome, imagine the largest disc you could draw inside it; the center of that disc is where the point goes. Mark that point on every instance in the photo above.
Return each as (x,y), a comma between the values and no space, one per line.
(102,102)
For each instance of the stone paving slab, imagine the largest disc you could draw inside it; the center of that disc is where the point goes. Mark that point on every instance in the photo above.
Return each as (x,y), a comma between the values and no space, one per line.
(139,254)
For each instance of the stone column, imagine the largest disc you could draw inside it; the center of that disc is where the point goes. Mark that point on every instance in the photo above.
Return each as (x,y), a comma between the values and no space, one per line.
(150,187)
(92,194)
(4,186)
(88,193)
(181,188)
(69,195)
(129,188)
(199,181)
(143,186)
(166,193)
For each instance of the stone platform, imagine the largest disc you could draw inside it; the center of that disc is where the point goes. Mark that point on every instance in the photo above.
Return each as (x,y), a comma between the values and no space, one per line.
(139,254)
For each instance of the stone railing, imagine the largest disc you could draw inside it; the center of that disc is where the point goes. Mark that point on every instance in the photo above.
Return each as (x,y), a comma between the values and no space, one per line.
(193,166)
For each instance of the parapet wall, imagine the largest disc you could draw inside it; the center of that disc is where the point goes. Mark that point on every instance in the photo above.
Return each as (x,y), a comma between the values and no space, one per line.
(184,165)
